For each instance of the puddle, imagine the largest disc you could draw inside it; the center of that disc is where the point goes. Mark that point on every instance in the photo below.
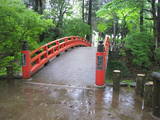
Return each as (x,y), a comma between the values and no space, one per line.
(20,101)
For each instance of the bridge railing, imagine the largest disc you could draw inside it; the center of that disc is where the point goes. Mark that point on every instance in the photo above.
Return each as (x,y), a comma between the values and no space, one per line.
(35,59)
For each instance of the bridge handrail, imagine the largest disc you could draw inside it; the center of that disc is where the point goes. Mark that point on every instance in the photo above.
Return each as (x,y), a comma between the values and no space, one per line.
(55,41)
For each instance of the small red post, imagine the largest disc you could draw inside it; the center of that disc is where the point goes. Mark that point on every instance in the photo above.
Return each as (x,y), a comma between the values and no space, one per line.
(100,65)
(46,49)
(26,61)
(57,43)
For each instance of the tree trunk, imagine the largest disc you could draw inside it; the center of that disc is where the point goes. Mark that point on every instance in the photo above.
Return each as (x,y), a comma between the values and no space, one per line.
(158,24)
(38,6)
(154,21)
(90,13)
(89,37)
(141,20)
(83,10)
(35,7)
(60,21)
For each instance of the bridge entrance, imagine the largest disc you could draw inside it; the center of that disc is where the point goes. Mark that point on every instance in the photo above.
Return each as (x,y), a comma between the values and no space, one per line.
(75,67)
(78,67)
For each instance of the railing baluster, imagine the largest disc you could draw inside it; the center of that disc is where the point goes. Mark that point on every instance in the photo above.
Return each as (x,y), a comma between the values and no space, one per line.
(57,45)
(66,42)
(46,50)
(38,60)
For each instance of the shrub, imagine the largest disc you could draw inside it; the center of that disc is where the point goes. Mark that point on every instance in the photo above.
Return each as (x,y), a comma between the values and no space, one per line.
(17,23)
(117,65)
(140,47)
(75,27)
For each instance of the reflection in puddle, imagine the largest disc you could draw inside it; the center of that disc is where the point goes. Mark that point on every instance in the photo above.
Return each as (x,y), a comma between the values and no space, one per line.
(20,101)
(115,99)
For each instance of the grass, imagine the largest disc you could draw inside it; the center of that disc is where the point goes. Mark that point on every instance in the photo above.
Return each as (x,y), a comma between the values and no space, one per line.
(109,81)
(128,82)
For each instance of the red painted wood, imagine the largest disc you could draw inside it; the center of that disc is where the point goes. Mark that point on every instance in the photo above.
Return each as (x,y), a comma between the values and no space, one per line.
(101,73)
(37,58)
(27,64)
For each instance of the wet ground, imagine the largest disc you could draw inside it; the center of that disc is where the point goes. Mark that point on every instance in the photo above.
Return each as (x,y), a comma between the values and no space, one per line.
(21,101)
(68,94)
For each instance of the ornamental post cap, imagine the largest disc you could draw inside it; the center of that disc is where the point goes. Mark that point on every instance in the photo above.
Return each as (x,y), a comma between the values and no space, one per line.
(141,75)
(116,71)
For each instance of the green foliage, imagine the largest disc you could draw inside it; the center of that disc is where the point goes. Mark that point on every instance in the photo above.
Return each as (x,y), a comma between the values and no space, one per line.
(75,27)
(101,27)
(119,17)
(122,52)
(117,65)
(140,47)
(59,9)
(18,23)
(129,82)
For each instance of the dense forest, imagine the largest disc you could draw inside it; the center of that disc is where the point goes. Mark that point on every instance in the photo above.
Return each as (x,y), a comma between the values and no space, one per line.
(133,27)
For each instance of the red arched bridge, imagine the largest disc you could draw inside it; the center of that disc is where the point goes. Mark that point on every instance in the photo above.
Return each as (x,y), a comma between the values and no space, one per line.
(34,60)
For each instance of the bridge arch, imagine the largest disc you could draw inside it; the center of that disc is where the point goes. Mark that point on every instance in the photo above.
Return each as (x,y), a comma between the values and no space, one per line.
(32,61)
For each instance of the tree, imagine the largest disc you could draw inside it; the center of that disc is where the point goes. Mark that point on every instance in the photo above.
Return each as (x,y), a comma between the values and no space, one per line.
(37,5)
(152,9)
(120,18)
(75,27)
(89,37)
(141,22)
(59,8)
(83,13)
(17,23)
(139,48)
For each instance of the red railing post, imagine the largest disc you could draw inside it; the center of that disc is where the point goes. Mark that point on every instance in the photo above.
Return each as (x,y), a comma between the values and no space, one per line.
(101,62)
(72,39)
(26,61)
(57,43)
(77,38)
(66,42)
(46,50)
(100,65)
